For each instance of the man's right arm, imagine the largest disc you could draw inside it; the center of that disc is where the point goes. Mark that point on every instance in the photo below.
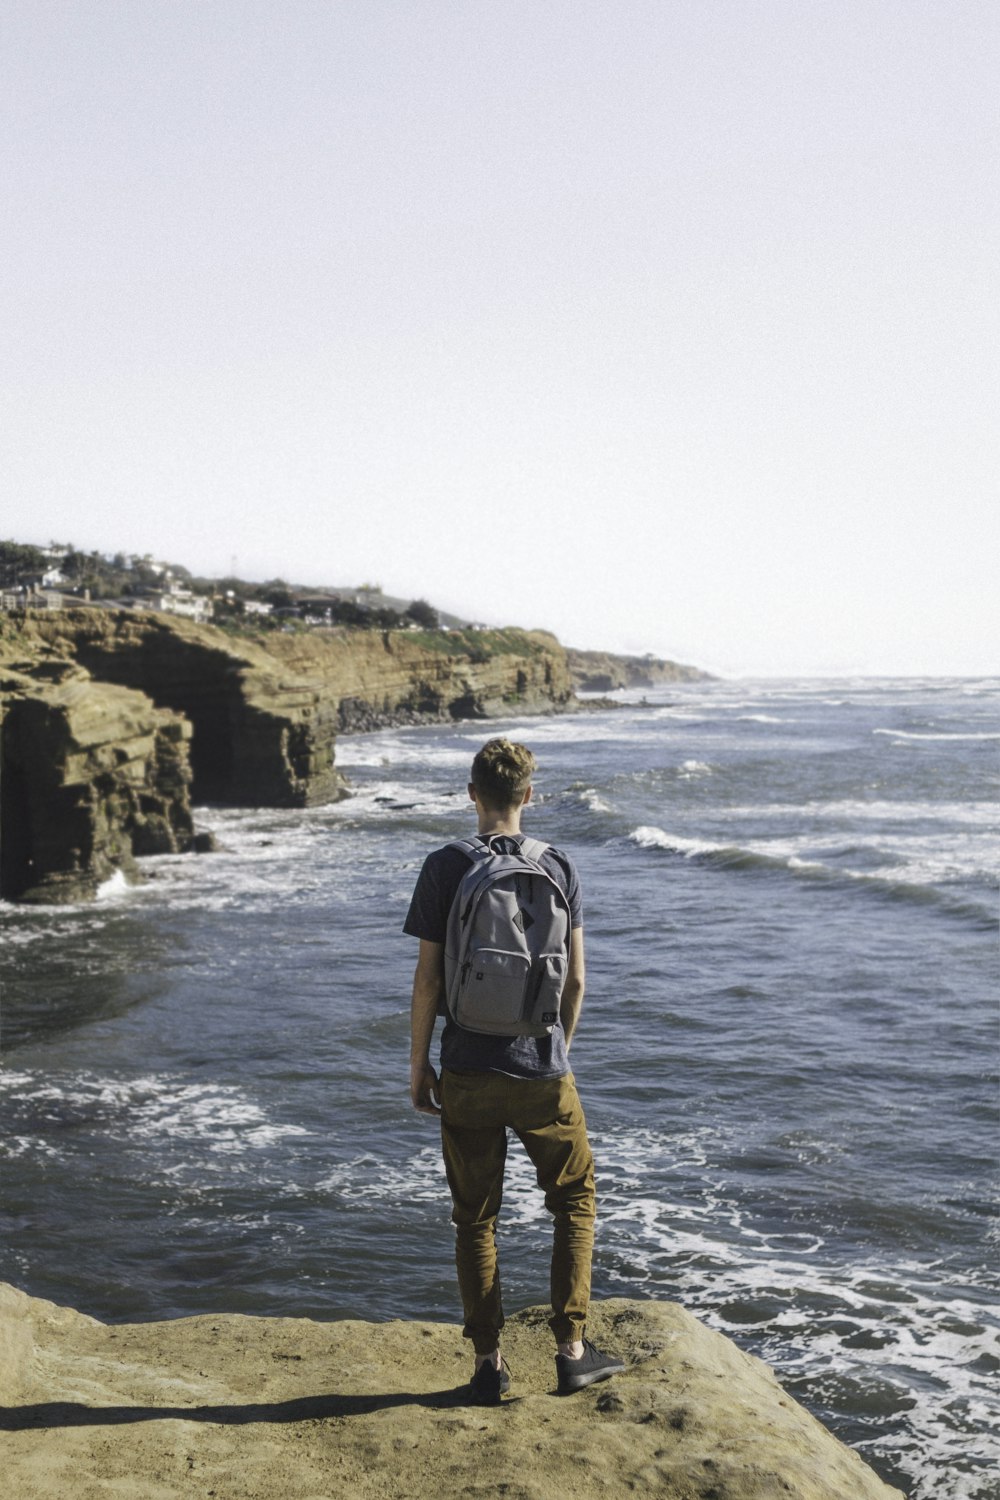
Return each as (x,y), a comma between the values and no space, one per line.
(428,988)
(572,995)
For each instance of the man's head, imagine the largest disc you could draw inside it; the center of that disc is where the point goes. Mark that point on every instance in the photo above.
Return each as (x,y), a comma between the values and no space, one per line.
(501,775)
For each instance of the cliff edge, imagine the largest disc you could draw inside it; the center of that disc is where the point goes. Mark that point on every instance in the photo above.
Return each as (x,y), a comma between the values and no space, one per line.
(244,1408)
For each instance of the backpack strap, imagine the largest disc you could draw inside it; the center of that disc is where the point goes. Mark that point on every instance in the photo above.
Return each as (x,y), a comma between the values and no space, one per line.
(533,849)
(479,848)
(474,848)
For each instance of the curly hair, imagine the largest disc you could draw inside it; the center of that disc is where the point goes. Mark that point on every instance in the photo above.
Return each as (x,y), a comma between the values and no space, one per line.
(501,773)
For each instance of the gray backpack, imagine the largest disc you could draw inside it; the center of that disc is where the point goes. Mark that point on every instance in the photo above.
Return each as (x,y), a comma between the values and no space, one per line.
(507,948)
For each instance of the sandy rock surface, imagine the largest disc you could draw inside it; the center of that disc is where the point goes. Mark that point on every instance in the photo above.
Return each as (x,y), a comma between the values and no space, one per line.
(241,1408)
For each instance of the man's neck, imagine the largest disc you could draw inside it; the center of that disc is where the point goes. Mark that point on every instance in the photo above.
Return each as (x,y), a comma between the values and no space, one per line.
(499,822)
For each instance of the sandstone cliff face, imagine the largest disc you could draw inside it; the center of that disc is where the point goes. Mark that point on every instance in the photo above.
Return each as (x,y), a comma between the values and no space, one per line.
(261,737)
(265,711)
(407,676)
(111,715)
(90,776)
(289,1409)
(603,672)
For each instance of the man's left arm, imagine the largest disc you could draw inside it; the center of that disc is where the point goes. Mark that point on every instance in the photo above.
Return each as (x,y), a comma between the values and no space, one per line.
(428,989)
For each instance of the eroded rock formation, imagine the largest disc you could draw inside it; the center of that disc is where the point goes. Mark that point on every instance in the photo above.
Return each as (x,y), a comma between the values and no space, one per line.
(91,775)
(290,1409)
(261,737)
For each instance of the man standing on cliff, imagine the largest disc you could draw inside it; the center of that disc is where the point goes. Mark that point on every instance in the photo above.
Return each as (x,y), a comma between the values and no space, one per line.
(489,1083)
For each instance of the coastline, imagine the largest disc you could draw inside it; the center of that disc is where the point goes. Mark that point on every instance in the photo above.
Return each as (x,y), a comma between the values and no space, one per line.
(112,723)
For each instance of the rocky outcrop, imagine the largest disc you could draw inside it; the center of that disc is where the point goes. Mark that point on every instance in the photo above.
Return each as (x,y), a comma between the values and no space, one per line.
(261,736)
(376,679)
(603,672)
(265,711)
(289,1409)
(91,775)
(111,715)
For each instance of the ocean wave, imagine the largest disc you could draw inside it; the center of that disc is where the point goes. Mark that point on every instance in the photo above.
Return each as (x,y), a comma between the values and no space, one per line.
(908,879)
(590,798)
(921,734)
(690,768)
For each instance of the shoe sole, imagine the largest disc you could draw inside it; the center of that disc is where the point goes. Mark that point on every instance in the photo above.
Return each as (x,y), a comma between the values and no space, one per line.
(489,1398)
(580,1382)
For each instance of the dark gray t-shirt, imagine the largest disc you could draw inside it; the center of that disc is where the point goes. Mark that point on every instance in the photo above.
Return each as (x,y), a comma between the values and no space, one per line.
(518,1056)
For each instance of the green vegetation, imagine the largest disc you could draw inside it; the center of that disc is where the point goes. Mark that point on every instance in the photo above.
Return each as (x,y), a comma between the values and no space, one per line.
(480,645)
(17,558)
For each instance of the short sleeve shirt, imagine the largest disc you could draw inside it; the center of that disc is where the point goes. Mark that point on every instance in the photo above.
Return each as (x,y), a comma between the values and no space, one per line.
(470,1051)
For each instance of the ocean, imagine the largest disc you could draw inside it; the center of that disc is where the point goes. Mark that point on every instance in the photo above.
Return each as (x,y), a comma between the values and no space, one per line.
(788,1050)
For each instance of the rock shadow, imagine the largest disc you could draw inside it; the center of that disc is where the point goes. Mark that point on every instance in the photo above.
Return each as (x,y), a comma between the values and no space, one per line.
(45,1414)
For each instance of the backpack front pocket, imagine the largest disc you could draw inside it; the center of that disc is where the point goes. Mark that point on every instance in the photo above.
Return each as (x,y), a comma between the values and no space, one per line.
(493,991)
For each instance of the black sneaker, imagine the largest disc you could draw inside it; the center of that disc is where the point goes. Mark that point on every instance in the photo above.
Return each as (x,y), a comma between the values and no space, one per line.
(592,1365)
(489,1384)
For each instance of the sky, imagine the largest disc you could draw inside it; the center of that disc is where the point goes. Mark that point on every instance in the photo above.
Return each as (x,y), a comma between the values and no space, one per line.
(667,325)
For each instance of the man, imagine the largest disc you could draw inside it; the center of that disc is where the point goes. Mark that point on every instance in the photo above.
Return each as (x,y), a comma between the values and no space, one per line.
(490,1082)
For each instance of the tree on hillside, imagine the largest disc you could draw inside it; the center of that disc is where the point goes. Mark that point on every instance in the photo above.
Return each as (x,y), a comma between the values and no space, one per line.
(276,592)
(17,558)
(423,614)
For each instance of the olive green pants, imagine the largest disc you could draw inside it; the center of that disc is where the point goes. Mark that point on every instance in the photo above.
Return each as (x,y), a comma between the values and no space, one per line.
(546,1116)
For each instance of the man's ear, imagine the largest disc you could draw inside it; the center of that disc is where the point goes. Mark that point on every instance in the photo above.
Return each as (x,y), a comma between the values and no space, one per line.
(527,795)
(472,792)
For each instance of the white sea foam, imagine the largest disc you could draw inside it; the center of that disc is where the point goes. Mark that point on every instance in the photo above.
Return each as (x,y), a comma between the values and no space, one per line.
(882,811)
(369,1178)
(114,888)
(592,799)
(679,716)
(648,837)
(691,768)
(222,1118)
(913,734)
(393,750)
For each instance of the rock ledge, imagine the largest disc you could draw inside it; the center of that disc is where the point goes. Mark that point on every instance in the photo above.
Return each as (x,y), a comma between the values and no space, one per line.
(244,1408)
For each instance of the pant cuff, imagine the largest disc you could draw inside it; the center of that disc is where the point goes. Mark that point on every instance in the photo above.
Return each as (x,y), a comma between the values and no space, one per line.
(484,1342)
(567,1330)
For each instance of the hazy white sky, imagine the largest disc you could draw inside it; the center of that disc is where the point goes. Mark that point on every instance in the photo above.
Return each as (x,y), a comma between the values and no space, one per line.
(666,324)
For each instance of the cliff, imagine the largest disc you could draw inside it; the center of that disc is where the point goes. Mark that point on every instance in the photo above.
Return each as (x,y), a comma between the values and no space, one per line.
(111,716)
(402,676)
(260,736)
(603,672)
(289,1409)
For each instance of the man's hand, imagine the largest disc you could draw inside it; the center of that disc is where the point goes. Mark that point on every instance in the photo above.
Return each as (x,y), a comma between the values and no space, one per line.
(424,1089)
